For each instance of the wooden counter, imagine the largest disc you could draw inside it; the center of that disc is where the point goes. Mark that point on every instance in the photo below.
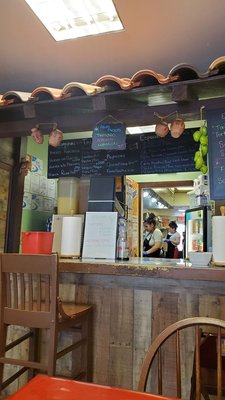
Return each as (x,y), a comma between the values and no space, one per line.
(152,268)
(134,301)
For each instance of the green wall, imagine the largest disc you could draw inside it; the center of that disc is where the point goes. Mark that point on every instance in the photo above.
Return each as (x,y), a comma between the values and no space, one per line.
(36,220)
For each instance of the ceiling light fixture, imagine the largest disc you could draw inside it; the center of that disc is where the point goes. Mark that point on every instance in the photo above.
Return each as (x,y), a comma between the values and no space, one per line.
(66,19)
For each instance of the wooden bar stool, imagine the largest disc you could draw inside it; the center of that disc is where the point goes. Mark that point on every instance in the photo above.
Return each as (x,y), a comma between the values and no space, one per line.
(29,297)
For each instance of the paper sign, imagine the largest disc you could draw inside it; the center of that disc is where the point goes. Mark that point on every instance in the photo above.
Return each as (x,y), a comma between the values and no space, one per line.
(51,186)
(37,203)
(27,197)
(48,205)
(43,185)
(35,183)
(100,235)
(27,182)
(37,165)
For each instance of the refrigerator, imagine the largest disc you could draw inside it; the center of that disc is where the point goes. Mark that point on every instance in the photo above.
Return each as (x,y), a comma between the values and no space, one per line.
(198,229)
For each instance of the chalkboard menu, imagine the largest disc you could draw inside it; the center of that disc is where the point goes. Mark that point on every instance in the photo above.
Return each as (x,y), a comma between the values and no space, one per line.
(109,136)
(144,154)
(216,134)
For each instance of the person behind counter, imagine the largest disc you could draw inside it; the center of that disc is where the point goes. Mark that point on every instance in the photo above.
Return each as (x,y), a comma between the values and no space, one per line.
(173,240)
(153,238)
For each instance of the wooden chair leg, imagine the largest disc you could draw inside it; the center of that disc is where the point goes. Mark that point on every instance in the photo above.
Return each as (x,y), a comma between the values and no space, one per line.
(3,338)
(34,350)
(53,340)
(87,349)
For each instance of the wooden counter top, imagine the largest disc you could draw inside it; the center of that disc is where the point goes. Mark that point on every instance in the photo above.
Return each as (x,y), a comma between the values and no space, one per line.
(152,268)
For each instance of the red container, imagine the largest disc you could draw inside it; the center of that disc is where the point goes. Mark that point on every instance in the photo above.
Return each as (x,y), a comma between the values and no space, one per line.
(37,242)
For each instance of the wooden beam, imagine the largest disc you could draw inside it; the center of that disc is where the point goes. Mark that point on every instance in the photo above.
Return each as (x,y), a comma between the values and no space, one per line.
(84,120)
(183,93)
(29,110)
(16,200)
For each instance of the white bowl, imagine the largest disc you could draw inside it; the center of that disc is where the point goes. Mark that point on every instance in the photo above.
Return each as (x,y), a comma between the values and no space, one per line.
(199,259)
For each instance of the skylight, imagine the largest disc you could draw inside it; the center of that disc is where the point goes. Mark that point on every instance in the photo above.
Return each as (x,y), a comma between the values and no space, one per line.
(70,19)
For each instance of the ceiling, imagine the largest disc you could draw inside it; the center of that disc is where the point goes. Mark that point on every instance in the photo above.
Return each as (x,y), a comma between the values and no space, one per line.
(158,35)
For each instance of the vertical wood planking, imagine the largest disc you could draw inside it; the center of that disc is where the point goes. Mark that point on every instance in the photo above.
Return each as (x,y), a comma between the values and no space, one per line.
(142,330)
(212,306)
(165,312)
(188,306)
(121,338)
(81,294)
(101,298)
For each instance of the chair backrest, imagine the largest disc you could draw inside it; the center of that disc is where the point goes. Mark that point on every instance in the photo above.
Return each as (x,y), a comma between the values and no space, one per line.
(174,329)
(29,289)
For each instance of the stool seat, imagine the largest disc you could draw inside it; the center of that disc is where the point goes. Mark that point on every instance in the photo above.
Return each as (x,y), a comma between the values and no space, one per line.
(29,297)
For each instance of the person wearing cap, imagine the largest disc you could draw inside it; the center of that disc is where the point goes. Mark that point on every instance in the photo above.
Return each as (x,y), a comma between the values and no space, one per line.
(173,240)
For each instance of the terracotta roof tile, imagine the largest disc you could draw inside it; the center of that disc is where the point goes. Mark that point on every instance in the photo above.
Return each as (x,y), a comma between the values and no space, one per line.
(80,89)
(218,64)
(17,97)
(145,77)
(110,82)
(46,93)
(187,72)
(148,77)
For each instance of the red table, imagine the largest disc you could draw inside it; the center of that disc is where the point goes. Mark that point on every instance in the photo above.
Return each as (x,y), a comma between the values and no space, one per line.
(43,387)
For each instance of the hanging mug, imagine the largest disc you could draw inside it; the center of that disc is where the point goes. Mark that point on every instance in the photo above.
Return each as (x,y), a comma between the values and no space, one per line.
(177,127)
(36,134)
(161,129)
(55,138)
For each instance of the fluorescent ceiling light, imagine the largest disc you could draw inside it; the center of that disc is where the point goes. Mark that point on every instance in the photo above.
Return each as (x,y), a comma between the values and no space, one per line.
(134,130)
(70,19)
(184,188)
(145,194)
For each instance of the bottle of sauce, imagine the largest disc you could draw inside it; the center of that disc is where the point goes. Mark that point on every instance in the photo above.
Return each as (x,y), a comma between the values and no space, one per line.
(122,243)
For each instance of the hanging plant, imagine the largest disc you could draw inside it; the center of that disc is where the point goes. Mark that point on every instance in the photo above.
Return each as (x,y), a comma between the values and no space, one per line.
(201,137)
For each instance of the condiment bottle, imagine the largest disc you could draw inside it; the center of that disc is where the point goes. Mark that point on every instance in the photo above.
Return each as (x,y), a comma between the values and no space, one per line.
(122,244)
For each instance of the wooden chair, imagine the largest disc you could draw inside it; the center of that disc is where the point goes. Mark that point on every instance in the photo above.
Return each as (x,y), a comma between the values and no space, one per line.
(29,297)
(174,329)
(208,366)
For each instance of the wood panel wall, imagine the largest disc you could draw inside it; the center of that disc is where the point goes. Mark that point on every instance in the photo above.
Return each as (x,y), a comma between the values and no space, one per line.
(130,312)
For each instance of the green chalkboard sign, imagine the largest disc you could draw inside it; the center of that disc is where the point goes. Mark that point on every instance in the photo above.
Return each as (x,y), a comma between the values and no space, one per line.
(216,134)
(109,134)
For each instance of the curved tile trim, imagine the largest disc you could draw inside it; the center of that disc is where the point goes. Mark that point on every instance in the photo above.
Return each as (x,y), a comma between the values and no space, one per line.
(80,89)
(187,72)
(46,93)
(145,77)
(218,64)
(17,97)
(111,82)
(148,77)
